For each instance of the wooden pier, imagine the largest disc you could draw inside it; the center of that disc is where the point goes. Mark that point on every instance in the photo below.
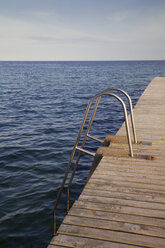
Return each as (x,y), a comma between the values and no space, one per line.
(123,203)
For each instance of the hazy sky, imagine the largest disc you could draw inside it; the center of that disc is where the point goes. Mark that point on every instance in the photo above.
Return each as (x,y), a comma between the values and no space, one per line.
(82,29)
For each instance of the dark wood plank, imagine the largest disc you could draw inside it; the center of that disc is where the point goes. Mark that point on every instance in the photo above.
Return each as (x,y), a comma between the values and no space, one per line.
(122,202)
(128,184)
(115,226)
(79,242)
(125,178)
(120,195)
(113,236)
(144,174)
(120,209)
(125,189)
(104,215)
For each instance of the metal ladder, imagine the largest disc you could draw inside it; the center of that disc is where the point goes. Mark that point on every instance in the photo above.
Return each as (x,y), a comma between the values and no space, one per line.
(81,149)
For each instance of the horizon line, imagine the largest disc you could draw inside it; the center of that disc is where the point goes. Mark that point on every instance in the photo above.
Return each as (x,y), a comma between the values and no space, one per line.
(120,60)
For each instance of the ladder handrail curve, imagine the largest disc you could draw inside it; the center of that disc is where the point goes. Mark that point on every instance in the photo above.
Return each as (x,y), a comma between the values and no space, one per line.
(78,138)
(130,108)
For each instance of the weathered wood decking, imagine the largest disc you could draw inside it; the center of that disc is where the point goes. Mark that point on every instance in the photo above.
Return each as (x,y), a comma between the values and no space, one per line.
(123,204)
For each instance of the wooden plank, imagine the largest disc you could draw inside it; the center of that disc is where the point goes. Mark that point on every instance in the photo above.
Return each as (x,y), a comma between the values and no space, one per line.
(125,189)
(114,236)
(115,226)
(79,242)
(122,202)
(128,184)
(120,195)
(155,164)
(154,147)
(130,173)
(120,209)
(104,215)
(155,152)
(130,169)
(132,165)
(128,178)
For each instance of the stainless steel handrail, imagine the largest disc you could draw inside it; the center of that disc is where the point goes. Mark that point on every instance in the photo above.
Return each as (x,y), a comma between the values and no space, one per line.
(84,141)
(131,114)
(130,108)
(89,136)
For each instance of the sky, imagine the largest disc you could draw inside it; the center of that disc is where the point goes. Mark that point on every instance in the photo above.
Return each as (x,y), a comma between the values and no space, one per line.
(82,30)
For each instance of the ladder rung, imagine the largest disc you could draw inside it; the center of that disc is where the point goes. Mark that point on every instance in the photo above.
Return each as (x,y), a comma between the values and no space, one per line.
(91,137)
(85,151)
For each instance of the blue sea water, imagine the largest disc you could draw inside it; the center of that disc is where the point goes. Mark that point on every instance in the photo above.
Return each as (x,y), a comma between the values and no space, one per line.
(41,108)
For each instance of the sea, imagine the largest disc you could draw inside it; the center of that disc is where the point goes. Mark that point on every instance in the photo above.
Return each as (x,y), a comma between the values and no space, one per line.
(42,105)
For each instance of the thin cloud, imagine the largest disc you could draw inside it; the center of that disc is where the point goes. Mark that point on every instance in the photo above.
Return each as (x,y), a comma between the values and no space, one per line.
(42,15)
(119,16)
(70,38)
